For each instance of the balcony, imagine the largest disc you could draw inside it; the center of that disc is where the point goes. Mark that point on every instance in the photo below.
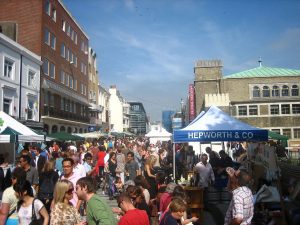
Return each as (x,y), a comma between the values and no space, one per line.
(50,111)
(95,121)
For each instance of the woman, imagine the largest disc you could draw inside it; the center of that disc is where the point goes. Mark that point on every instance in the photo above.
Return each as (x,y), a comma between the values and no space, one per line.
(150,176)
(141,182)
(112,166)
(47,181)
(27,203)
(176,211)
(63,212)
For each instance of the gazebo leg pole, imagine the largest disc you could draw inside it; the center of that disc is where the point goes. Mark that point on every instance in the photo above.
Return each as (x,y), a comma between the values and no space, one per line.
(174,166)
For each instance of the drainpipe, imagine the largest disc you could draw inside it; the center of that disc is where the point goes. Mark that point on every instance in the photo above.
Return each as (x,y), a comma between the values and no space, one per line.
(20,87)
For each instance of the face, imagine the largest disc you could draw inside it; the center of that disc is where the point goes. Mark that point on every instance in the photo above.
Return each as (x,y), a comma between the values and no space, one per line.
(89,160)
(204,159)
(22,162)
(178,215)
(67,167)
(129,157)
(81,192)
(69,193)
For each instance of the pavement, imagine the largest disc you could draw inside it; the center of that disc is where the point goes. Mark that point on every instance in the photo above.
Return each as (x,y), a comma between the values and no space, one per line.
(213,215)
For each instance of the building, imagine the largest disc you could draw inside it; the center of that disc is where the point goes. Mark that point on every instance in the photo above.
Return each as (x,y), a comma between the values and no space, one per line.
(104,104)
(167,116)
(20,82)
(49,30)
(264,97)
(138,118)
(95,108)
(116,102)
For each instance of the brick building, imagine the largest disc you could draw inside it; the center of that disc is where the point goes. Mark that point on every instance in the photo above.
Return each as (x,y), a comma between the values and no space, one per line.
(264,97)
(48,29)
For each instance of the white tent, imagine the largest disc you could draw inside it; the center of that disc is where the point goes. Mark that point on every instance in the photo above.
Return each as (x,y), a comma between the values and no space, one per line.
(25,134)
(158,133)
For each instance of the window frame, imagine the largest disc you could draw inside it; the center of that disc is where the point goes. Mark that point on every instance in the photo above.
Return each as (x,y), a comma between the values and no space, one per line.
(285,91)
(266,92)
(244,111)
(46,62)
(52,69)
(275,91)
(296,109)
(274,109)
(30,81)
(295,88)
(9,68)
(285,110)
(251,109)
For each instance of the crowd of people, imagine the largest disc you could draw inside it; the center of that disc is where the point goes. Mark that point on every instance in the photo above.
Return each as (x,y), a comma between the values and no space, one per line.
(58,184)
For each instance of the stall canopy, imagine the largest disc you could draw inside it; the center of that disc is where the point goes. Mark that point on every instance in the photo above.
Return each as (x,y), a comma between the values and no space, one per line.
(12,130)
(63,136)
(92,135)
(158,134)
(216,125)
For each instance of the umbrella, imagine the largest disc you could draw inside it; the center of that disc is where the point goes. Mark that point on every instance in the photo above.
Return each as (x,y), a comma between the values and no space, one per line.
(63,136)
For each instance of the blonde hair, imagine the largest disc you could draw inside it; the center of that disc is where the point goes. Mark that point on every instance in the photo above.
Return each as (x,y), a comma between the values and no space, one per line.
(151,161)
(177,205)
(49,165)
(60,190)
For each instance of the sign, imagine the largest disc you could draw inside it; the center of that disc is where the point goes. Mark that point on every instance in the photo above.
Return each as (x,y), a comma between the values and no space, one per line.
(92,128)
(191,102)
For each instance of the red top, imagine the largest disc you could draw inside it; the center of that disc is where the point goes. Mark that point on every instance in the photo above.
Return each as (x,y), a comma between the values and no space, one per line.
(165,200)
(101,156)
(134,217)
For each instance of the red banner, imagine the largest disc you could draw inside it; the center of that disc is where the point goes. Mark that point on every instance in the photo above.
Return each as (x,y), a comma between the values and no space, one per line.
(191,102)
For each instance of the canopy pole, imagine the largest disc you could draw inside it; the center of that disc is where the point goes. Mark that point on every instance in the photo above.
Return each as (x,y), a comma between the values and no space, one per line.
(174,170)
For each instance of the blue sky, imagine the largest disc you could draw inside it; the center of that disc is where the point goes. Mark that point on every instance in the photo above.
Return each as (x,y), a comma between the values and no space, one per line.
(148,48)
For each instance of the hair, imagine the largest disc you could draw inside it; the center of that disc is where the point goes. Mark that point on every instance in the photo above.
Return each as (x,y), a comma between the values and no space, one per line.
(26,158)
(141,181)
(151,160)
(88,155)
(131,154)
(134,190)
(68,160)
(87,182)
(19,173)
(222,152)
(23,185)
(60,190)
(160,177)
(111,154)
(124,197)
(49,165)
(177,205)
(179,192)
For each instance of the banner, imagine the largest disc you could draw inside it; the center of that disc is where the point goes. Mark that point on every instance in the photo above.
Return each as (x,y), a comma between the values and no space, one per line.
(191,102)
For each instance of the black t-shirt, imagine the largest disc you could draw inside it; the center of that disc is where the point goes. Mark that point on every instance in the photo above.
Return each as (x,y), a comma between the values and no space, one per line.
(168,219)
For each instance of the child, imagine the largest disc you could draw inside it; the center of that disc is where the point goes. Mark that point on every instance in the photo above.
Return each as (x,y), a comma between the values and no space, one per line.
(119,185)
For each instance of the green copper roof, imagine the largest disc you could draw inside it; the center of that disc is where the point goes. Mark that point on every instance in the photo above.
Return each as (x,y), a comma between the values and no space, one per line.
(263,71)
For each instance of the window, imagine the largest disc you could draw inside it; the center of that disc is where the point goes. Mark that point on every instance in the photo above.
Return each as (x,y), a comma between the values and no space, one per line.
(71,56)
(285,90)
(46,67)
(287,132)
(67,105)
(62,77)
(62,50)
(6,105)
(75,84)
(47,36)
(67,80)
(30,108)
(75,37)
(266,91)
(275,91)
(53,16)
(242,110)
(68,29)
(74,107)
(296,108)
(51,100)
(47,7)
(296,132)
(295,90)
(256,92)
(8,68)
(71,82)
(253,110)
(81,88)
(285,109)
(67,54)
(53,41)
(276,131)
(52,70)
(31,77)
(75,60)
(274,109)
(63,25)
(62,104)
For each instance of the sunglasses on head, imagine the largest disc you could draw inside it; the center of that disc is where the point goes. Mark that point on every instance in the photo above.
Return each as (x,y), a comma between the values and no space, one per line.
(70,191)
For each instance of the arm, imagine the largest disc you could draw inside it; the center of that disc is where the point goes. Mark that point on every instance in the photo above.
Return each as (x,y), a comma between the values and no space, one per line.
(236,221)
(78,204)
(4,211)
(45,215)
(147,167)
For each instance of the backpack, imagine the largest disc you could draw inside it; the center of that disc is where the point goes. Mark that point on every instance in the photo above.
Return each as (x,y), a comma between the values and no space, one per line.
(47,188)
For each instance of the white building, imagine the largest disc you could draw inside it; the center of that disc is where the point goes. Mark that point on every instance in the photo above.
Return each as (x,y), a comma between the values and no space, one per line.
(103,99)
(19,80)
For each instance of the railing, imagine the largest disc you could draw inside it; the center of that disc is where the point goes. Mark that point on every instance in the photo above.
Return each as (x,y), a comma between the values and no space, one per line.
(50,111)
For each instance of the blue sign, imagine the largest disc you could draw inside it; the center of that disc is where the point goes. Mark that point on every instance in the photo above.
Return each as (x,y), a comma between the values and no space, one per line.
(92,128)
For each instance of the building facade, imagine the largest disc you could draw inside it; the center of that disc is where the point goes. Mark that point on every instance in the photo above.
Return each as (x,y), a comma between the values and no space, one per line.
(20,82)
(264,97)
(138,118)
(49,30)
(104,104)
(116,102)
(167,120)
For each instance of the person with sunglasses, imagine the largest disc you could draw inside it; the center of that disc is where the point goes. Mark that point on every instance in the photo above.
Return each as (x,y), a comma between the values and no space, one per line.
(63,212)
(132,216)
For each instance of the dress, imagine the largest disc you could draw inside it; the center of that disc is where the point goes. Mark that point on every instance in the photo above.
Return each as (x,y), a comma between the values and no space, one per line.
(152,183)
(63,214)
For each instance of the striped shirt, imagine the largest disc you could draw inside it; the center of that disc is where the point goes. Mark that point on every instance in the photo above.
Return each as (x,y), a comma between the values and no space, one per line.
(241,206)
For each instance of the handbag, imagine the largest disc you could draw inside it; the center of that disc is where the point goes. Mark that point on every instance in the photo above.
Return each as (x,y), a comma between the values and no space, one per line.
(34,220)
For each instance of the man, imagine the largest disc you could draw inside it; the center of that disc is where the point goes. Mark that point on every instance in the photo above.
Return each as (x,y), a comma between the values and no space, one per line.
(9,199)
(68,166)
(31,172)
(120,158)
(97,210)
(240,210)
(78,168)
(205,172)
(213,157)
(132,215)
(131,167)
(39,159)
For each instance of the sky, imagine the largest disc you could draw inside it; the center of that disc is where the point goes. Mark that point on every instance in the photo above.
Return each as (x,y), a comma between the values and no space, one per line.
(148,48)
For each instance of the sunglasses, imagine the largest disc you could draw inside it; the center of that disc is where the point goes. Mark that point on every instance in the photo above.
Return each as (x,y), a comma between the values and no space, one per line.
(70,191)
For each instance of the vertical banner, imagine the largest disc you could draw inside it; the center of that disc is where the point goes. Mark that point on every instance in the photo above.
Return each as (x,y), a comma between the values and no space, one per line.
(191,102)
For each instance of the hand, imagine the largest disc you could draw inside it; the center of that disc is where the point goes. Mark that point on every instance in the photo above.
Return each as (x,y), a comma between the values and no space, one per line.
(116,210)
(194,219)
(82,223)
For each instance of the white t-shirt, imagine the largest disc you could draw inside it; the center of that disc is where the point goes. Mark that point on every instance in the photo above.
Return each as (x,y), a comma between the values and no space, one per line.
(10,198)
(25,213)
